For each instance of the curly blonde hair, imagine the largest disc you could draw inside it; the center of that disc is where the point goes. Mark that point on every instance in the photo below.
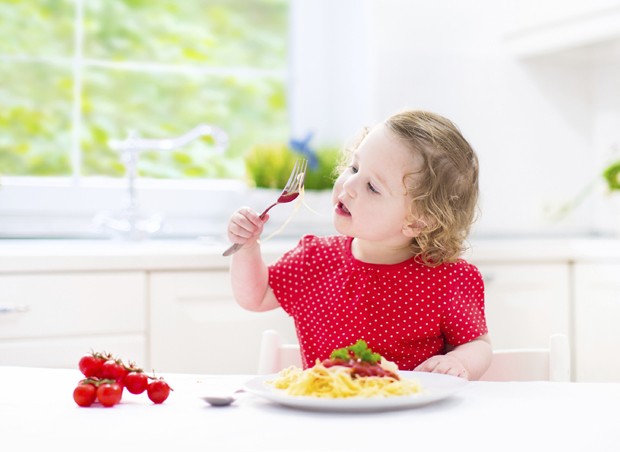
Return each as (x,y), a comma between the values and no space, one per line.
(444,191)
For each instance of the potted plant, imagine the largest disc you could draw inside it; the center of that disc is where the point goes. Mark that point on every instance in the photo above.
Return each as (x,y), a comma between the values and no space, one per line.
(268,167)
(607,185)
(611,174)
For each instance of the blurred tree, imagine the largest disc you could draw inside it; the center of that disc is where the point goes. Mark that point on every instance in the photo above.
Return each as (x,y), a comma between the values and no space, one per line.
(156,67)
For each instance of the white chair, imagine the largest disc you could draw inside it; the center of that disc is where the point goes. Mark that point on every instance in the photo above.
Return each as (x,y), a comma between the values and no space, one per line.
(532,364)
(275,355)
(527,364)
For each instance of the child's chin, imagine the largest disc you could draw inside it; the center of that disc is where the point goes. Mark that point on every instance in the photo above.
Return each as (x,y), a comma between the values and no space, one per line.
(339,225)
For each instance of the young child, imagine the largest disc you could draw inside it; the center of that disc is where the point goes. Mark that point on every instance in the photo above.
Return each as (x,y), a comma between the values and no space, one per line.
(403,204)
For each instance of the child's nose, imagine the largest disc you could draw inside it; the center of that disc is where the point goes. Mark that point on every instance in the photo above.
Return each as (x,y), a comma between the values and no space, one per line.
(349,187)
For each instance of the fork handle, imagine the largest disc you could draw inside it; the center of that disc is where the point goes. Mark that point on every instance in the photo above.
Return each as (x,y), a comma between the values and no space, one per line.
(232,249)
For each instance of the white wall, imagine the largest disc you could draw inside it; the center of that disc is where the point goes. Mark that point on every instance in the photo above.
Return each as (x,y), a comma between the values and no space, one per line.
(606,130)
(530,121)
(330,78)
(536,123)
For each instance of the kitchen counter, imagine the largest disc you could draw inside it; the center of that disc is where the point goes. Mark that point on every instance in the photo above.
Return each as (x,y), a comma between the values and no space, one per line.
(37,412)
(85,255)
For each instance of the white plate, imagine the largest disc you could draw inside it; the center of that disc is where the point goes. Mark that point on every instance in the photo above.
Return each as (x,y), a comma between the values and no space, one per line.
(435,387)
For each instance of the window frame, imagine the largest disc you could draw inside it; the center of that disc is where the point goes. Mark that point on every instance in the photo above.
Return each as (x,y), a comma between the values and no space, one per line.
(64,207)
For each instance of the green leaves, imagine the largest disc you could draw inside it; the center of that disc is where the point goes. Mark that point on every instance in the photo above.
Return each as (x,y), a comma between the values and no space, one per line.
(358,351)
(162,68)
(269,166)
(341,353)
(612,176)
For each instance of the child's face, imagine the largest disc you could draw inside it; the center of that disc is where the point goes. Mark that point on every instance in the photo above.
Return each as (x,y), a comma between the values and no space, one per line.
(370,198)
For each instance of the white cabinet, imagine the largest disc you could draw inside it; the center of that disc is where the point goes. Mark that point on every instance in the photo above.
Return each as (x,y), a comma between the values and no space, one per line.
(188,321)
(51,319)
(597,310)
(526,302)
(170,307)
(197,327)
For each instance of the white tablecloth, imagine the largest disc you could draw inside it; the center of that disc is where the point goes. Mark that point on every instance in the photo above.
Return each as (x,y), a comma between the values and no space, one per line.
(37,412)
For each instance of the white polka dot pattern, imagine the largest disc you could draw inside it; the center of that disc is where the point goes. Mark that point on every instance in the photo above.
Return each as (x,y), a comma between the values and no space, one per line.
(407,312)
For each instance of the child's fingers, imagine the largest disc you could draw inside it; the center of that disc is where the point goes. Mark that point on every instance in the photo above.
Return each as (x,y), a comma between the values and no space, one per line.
(253,217)
(243,225)
(440,365)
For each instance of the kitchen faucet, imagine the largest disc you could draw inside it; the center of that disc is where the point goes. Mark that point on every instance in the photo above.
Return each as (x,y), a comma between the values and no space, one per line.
(130,222)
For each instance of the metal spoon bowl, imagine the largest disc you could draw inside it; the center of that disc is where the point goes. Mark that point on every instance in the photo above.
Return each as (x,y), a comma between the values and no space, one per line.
(222,400)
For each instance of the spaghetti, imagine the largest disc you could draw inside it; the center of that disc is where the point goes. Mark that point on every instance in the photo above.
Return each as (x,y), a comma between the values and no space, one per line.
(349,372)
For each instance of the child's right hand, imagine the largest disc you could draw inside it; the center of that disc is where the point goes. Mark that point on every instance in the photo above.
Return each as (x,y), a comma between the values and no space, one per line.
(245,226)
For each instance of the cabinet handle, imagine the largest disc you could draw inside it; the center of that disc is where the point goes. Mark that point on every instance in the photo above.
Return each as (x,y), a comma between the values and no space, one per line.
(13,309)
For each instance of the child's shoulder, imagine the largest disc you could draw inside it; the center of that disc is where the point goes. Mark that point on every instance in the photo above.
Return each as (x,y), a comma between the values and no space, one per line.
(462,268)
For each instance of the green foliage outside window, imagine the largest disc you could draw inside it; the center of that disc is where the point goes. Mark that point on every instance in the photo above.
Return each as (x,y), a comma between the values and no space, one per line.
(155,67)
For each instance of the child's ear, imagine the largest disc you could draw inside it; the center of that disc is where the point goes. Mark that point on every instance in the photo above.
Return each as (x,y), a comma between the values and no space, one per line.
(413,227)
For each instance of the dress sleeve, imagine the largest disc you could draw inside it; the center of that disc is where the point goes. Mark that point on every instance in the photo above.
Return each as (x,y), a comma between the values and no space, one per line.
(287,275)
(464,319)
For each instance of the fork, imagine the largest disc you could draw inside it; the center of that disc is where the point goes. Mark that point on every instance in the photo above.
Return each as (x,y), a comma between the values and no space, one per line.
(289,193)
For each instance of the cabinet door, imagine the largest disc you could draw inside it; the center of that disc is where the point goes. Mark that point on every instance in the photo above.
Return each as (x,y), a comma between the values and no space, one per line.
(64,352)
(197,327)
(50,320)
(526,303)
(597,315)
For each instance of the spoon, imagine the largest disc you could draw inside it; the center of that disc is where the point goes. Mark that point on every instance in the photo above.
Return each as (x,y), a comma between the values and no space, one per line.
(222,400)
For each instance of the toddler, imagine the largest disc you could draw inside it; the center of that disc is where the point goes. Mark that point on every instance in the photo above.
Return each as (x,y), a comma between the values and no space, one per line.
(403,204)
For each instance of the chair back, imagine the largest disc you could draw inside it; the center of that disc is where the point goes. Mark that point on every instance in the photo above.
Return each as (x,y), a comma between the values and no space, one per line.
(275,355)
(532,364)
(525,364)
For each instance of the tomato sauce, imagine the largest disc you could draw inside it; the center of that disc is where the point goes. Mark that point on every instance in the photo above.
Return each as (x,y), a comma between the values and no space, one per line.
(361,368)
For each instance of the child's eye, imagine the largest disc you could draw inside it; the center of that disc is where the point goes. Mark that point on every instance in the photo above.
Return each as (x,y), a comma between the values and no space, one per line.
(353,169)
(372,188)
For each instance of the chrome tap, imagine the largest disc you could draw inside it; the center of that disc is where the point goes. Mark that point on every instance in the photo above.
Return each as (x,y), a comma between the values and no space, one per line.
(135,144)
(130,222)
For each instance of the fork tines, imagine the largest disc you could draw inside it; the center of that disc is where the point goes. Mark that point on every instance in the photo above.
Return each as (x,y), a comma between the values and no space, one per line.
(295,182)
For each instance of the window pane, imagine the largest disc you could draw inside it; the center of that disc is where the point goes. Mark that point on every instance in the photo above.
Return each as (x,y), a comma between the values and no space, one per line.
(37,27)
(156,67)
(217,32)
(250,110)
(35,119)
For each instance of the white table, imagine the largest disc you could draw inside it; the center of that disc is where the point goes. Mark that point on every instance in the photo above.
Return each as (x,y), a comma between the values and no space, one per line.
(37,412)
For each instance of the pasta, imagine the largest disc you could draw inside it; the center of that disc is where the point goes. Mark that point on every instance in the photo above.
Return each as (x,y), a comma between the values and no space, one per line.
(338,382)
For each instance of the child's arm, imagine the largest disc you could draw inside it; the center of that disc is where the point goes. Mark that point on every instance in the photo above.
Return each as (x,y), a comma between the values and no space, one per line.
(248,272)
(469,360)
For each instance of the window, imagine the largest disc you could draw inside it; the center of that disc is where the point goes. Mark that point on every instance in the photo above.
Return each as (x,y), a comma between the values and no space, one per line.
(79,73)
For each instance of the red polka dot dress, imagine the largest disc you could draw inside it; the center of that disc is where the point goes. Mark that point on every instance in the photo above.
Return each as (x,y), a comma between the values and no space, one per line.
(407,312)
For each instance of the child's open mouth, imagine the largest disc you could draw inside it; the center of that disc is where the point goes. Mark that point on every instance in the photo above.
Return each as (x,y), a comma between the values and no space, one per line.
(341,209)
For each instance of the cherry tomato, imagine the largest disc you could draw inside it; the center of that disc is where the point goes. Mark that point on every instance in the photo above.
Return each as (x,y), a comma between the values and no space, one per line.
(136,382)
(158,391)
(85,394)
(109,394)
(90,365)
(113,370)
